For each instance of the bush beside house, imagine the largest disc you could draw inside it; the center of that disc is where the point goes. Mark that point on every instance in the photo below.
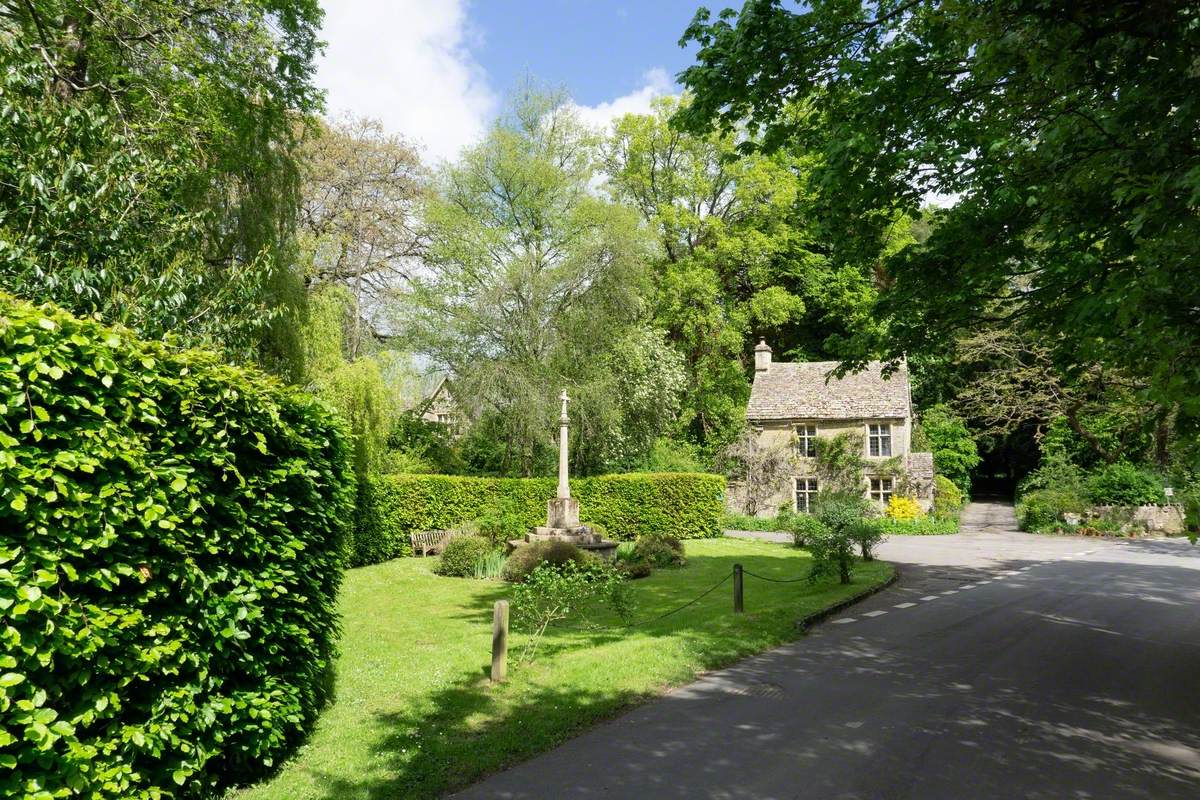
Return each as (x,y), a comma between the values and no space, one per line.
(681,505)
(171,547)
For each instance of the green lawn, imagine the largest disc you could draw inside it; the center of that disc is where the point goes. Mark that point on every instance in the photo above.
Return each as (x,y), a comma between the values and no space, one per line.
(416,717)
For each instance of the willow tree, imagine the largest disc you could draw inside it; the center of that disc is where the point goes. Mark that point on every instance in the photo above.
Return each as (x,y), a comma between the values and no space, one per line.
(531,281)
(147,160)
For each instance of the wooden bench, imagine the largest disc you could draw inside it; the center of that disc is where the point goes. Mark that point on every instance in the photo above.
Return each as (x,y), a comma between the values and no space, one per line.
(430,542)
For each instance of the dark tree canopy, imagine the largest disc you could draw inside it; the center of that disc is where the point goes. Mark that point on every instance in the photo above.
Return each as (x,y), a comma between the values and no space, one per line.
(1066,133)
(147,159)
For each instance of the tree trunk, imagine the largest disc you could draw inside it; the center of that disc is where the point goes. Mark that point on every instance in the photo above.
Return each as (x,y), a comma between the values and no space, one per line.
(74,71)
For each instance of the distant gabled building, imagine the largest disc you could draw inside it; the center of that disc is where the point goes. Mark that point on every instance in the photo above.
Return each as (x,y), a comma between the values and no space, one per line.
(437,402)
(795,404)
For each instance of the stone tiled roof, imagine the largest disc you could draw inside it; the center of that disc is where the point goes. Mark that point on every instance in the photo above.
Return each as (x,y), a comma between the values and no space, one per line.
(800,391)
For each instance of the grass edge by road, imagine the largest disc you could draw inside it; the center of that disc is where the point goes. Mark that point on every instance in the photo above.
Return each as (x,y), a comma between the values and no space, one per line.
(416,717)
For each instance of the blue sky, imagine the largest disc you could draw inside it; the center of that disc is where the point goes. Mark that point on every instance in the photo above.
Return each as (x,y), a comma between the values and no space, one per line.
(437,71)
(599,49)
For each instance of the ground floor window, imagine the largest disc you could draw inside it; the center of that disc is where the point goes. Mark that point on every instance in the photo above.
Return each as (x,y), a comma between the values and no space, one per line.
(806,494)
(881,489)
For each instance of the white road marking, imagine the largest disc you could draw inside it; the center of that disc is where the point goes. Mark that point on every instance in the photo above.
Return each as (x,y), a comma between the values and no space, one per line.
(930,597)
(967,586)
(983,583)
(844,620)
(950,591)
(874,613)
(904,605)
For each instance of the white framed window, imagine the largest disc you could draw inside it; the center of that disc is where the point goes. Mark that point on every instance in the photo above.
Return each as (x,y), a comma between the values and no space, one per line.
(806,494)
(881,489)
(879,439)
(806,441)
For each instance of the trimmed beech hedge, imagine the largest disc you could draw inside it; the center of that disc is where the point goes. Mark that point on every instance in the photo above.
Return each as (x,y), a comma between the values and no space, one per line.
(682,505)
(171,546)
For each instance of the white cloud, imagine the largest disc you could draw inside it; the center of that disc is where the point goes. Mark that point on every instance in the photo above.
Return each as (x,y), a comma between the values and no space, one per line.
(408,64)
(656,82)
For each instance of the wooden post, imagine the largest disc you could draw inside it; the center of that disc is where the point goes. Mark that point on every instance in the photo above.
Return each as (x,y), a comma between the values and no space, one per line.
(499,641)
(737,588)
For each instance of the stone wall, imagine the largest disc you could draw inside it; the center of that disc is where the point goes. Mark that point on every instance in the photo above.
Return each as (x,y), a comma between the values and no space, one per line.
(1156,519)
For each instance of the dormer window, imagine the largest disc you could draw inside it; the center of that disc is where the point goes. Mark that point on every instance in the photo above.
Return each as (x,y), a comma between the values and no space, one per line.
(806,441)
(879,439)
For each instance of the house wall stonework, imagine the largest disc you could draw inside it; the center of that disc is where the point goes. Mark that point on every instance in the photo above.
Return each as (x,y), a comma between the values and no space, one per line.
(785,395)
(918,467)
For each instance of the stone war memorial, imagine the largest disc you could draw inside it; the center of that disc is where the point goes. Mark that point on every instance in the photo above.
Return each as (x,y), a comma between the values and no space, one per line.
(562,511)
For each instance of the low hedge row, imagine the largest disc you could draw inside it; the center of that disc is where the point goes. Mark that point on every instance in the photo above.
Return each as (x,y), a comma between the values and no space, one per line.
(683,505)
(171,547)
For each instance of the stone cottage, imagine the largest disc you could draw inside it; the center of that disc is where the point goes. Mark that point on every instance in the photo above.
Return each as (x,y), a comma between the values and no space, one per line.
(792,405)
(438,405)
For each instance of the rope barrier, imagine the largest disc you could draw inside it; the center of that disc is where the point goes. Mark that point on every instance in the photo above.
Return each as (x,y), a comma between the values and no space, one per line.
(774,580)
(688,604)
(626,626)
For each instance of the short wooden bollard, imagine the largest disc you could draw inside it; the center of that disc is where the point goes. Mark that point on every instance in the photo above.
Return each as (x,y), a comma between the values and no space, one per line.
(737,588)
(499,641)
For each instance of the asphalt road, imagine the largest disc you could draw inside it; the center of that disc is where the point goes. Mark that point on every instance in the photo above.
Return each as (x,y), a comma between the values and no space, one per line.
(1002,665)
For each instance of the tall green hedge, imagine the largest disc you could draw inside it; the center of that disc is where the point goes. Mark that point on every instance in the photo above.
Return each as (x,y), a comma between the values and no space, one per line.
(171,545)
(685,505)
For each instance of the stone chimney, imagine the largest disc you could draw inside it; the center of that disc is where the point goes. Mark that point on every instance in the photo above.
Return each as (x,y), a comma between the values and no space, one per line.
(762,357)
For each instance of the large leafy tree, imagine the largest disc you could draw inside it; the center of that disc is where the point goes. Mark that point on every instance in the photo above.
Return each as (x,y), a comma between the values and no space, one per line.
(1065,133)
(147,159)
(531,282)
(743,253)
(360,193)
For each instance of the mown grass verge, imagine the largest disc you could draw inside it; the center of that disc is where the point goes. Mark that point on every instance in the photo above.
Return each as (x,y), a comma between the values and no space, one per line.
(416,717)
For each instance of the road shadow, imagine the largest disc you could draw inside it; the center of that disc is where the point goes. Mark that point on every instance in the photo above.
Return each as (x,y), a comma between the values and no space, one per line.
(1076,686)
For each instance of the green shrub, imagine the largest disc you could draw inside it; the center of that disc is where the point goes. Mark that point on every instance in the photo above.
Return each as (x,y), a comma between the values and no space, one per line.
(948,499)
(804,527)
(526,558)
(630,564)
(502,524)
(549,594)
(1123,484)
(868,535)
(948,438)
(634,568)
(841,515)
(1189,498)
(669,455)
(1055,472)
(1043,510)
(460,555)
(687,506)
(171,546)
(928,526)
(832,554)
(660,551)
